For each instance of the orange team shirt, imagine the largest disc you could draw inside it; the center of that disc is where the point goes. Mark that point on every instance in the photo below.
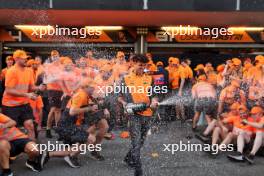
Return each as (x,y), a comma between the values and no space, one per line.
(237,122)
(10,134)
(175,75)
(219,79)
(78,100)
(227,96)
(21,80)
(139,93)
(188,72)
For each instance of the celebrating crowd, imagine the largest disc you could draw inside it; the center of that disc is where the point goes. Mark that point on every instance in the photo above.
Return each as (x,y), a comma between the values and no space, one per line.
(69,91)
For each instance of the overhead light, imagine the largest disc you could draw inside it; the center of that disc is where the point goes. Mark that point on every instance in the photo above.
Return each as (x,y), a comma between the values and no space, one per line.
(105,28)
(33,26)
(168,28)
(246,28)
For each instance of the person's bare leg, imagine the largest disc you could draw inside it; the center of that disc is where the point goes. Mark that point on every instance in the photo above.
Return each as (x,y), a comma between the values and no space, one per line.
(57,116)
(5,154)
(240,142)
(195,119)
(216,135)
(50,118)
(228,139)
(40,119)
(103,127)
(210,127)
(257,143)
(29,126)
(30,150)
(208,118)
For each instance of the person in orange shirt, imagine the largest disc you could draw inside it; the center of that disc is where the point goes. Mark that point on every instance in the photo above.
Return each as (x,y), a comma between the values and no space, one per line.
(13,142)
(176,85)
(204,95)
(220,78)
(54,90)
(218,129)
(121,67)
(79,105)
(36,105)
(211,75)
(229,95)
(257,114)
(19,90)
(70,81)
(140,121)
(9,63)
(241,132)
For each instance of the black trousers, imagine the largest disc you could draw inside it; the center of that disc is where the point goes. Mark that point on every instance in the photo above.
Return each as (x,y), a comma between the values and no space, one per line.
(138,128)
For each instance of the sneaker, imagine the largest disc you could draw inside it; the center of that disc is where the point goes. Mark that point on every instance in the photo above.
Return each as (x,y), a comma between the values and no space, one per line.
(249,158)
(7,173)
(48,134)
(72,161)
(236,157)
(97,156)
(129,162)
(203,138)
(43,159)
(33,166)
(138,172)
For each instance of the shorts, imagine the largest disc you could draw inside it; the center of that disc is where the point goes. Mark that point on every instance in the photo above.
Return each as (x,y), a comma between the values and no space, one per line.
(54,97)
(206,105)
(247,134)
(20,114)
(93,118)
(65,101)
(18,146)
(69,132)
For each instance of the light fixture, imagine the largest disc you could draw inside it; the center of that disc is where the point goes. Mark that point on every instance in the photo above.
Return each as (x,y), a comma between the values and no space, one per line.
(246,28)
(33,26)
(105,28)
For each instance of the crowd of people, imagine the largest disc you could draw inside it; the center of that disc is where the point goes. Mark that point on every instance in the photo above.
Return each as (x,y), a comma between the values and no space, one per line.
(72,92)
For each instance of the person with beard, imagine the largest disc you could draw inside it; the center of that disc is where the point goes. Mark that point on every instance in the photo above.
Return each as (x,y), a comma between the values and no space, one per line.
(19,90)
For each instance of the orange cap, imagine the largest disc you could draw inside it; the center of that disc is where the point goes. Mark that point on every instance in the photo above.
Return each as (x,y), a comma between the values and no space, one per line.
(236,61)
(220,68)
(199,67)
(54,53)
(67,61)
(20,54)
(175,60)
(247,65)
(256,109)
(159,63)
(120,54)
(235,106)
